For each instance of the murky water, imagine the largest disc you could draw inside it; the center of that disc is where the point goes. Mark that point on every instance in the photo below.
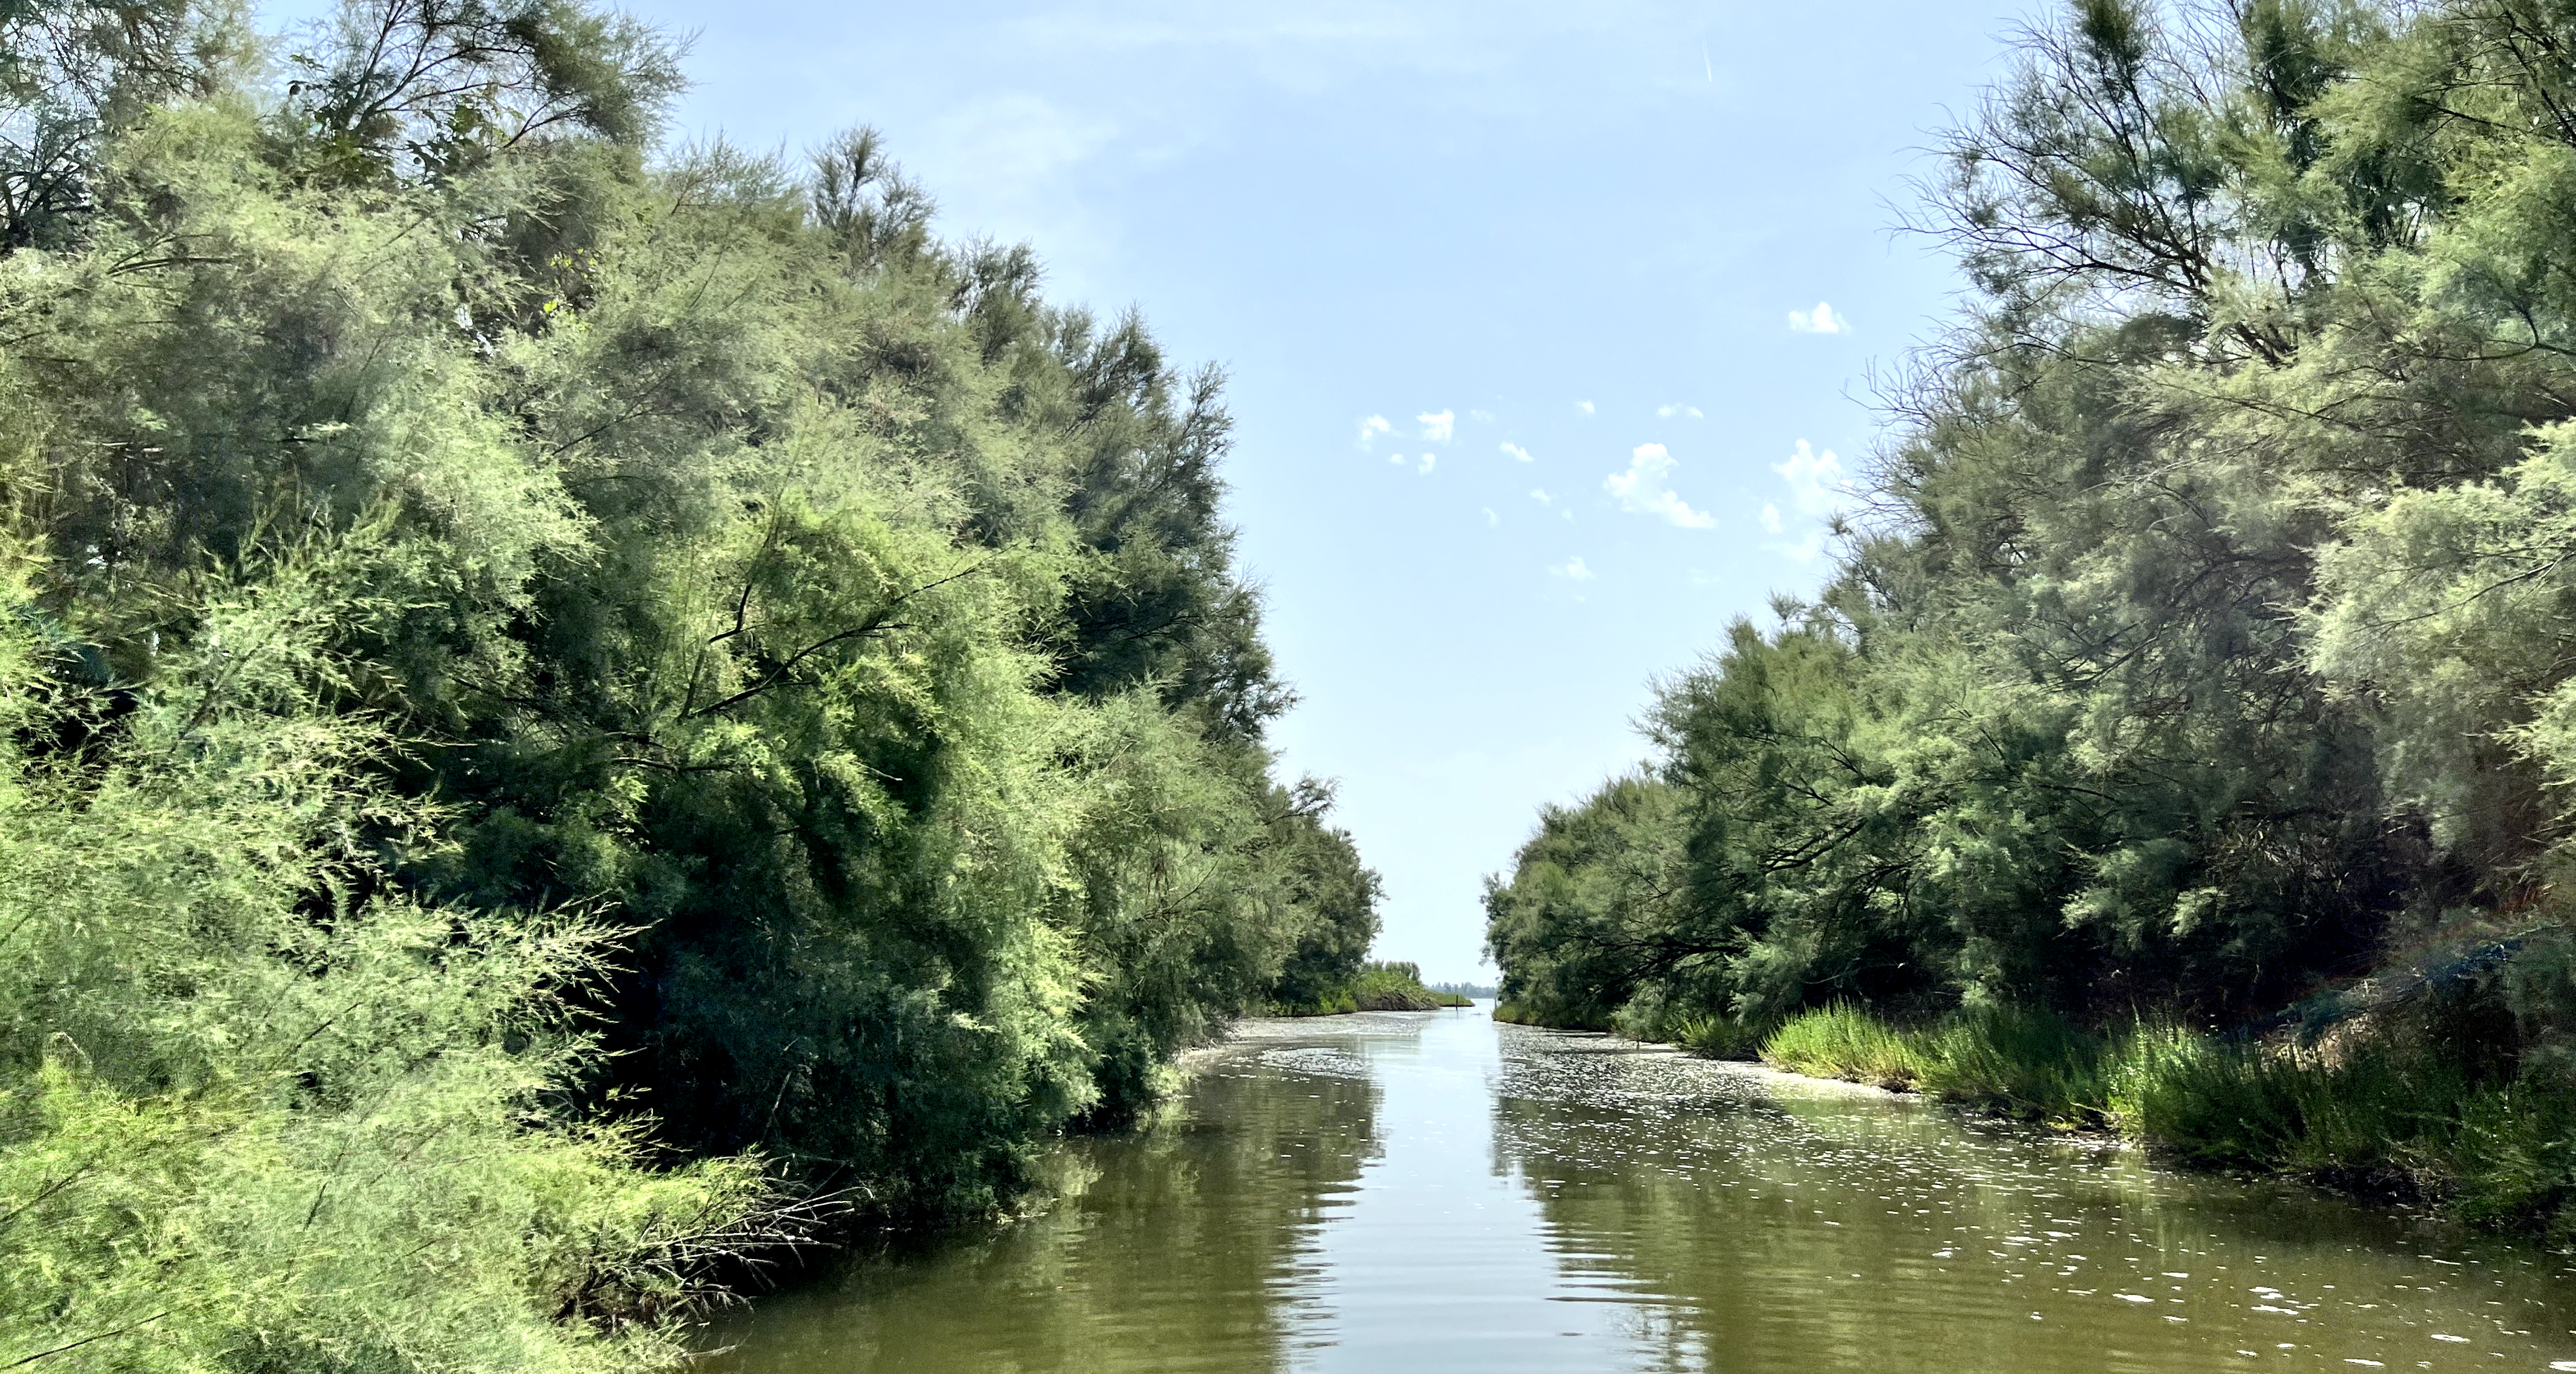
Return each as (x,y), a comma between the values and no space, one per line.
(1434,1192)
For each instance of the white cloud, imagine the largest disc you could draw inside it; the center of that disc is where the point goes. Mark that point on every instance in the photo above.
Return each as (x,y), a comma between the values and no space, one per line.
(1677,408)
(1440,426)
(1372,427)
(1396,458)
(1817,485)
(1482,417)
(1491,519)
(1572,570)
(1824,319)
(1584,406)
(1817,488)
(1023,138)
(1518,452)
(1427,460)
(1539,494)
(1642,489)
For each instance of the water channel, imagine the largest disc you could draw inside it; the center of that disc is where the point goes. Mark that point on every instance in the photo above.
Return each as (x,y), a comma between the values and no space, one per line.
(1433,1191)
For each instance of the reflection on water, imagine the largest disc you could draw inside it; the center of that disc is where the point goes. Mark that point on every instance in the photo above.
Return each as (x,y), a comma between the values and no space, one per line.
(1432,1192)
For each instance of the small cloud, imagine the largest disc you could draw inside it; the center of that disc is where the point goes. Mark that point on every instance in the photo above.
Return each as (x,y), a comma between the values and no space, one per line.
(1539,494)
(1439,427)
(1817,485)
(1584,406)
(1491,519)
(1518,452)
(1677,408)
(1642,489)
(1572,570)
(1396,458)
(1427,460)
(1482,417)
(1817,488)
(1824,319)
(1566,514)
(1372,427)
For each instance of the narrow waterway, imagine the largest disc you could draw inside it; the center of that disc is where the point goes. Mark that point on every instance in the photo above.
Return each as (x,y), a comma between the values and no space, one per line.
(1432,1191)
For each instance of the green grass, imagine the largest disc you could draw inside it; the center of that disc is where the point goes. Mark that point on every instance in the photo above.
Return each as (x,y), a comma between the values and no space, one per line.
(1843,1041)
(2020,1062)
(2002,1059)
(2376,1114)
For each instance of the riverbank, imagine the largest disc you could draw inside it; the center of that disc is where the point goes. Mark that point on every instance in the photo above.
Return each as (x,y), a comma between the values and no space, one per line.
(2373,1115)
(1435,1192)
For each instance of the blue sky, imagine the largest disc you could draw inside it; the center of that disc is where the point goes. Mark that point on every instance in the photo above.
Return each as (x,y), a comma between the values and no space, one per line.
(1551,326)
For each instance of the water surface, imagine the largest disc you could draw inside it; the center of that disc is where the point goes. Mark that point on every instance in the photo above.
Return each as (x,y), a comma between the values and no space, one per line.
(1432,1191)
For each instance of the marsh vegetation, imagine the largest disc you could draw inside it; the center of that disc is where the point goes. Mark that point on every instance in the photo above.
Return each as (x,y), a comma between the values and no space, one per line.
(2183,739)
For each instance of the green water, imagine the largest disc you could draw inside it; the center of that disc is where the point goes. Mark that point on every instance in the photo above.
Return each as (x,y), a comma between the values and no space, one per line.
(1434,1192)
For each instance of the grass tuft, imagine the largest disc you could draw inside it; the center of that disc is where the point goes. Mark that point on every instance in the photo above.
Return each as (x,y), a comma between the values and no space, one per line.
(1843,1041)
(2376,1113)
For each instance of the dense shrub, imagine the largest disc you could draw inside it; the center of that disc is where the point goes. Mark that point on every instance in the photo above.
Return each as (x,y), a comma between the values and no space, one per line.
(2199,647)
(568,694)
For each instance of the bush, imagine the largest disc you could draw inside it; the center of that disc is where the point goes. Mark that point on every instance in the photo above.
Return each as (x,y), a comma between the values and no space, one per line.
(1398,987)
(260,1109)
(1378,987)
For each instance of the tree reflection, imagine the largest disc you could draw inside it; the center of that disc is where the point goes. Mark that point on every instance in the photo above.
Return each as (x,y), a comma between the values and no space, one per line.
(1178,1249)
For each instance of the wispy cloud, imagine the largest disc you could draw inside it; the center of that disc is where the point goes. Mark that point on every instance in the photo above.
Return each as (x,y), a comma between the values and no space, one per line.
(1585,406)
(1677,408)
(1372,427)
(1539,494)
(1022,138)
(1572,570)
(1644,489)
(1817,485)
(1824,319)
(1427,460)
(1770,517)
(1439,426)
(1491,519)
(1518,452)
(1482,417)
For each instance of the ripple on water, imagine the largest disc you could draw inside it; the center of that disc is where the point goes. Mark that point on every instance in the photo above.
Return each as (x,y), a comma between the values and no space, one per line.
(1432,1191)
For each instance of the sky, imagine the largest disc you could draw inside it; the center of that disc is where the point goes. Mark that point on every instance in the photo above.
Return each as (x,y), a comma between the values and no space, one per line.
(1552,328)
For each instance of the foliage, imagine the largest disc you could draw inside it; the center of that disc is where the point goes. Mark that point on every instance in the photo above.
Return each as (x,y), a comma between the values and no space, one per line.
(1395,986)
(1398,986)
(2200,648)
(2382,1110)
(257,1107)
(582,687)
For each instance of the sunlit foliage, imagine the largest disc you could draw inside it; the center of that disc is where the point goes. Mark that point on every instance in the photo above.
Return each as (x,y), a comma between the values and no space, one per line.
(2201,650)
(568,694)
